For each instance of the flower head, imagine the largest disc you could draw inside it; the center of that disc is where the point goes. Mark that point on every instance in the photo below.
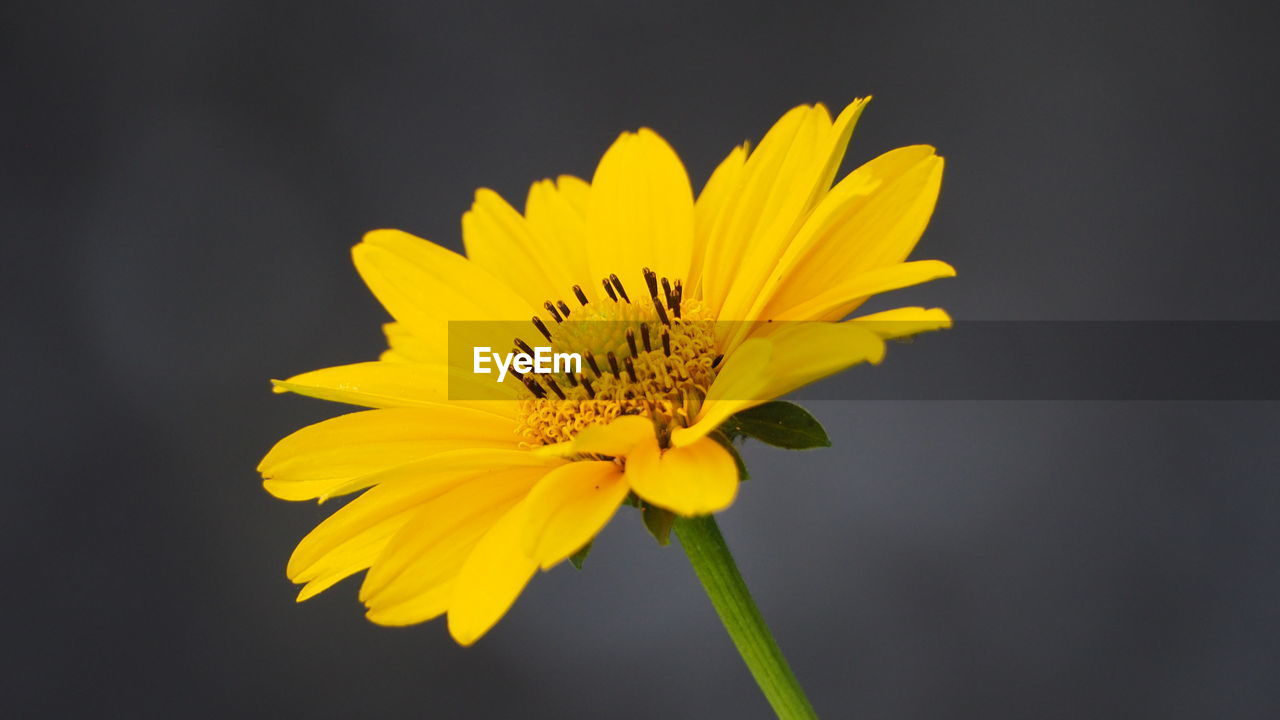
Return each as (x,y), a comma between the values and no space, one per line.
(685,312)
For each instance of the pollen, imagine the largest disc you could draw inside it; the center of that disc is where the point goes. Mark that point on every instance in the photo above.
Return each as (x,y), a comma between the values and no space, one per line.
(651,355)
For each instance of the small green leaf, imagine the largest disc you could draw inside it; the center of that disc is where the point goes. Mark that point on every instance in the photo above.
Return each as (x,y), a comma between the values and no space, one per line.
(781,424)
(658,521)
(580,557)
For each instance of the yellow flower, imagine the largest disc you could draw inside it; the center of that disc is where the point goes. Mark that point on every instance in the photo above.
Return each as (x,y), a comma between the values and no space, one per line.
(716,305)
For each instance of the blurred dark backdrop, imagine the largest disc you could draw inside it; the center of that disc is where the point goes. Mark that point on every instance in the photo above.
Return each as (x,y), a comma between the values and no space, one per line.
(182,182)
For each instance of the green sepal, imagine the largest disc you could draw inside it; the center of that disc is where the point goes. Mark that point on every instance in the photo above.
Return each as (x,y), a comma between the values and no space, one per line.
(580,557)
(781,424)
(658,522)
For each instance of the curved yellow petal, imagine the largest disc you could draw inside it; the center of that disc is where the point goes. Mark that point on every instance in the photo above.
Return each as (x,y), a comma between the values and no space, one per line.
(498,239)
(904,322)
(839,300)
(569,506)
(807,352)
(741,383)
(318,459)
(394,384)
(873,222)
(697,479)
(372,384)
(424,285)
(640,213)
(615,439)
(783,178)
(430,603)
(431,548)
(797,354)
(556,213)
(352,538)
(405,347)
(713,202)
(576,191)
(490,580)
(841,132)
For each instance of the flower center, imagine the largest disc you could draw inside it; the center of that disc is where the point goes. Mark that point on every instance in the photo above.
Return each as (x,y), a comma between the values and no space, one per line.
(653,357)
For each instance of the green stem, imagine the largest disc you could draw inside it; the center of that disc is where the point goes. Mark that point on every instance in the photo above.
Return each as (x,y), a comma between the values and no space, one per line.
(712,561)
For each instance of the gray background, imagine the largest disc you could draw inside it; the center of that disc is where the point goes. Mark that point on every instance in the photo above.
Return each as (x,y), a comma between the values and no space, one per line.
(181,185)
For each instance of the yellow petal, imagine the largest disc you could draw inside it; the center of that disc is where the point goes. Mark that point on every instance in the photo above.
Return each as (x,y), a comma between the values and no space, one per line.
(432,546)
(875,223)
(737,224)
(614,439)
(556,213)
(807,352)
(316,460)
(904,322)
(640,213)
(576,191)
(694,480)
(841,299)
(741,383)
(797,354)
(499,240)
(713,202)
(426,605)
(783,179)
(841,132)
(492,577)
(352,538)
(394,384)
(424,285)
(403,346)
(569,506)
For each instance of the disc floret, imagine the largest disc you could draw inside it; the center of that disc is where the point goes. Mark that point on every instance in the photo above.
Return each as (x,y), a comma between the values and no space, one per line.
(653,357)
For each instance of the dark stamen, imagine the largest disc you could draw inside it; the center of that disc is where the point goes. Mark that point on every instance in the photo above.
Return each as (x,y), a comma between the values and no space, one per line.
(591,360)
(717,360)
(662,312)
(644,335)
(617,285)
(534,388)
(524,346)
(651,279)
(631,369)
(666,343)
(542,327)
(586,383)
(679,298)
(671,298)
(613,365)
(554,387)
(609,289)
(564,309)
(582,297)
(573,381)
(631,341)
(552,309)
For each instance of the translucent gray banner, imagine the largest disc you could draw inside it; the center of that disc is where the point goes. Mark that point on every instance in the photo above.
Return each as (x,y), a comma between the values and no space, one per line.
(976,360)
